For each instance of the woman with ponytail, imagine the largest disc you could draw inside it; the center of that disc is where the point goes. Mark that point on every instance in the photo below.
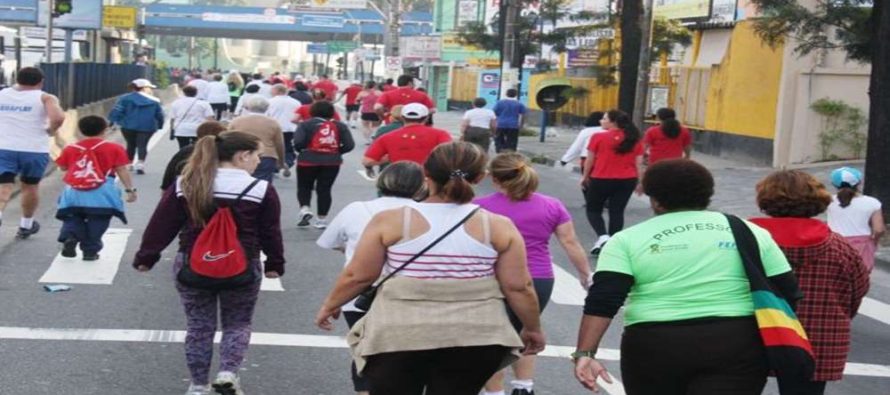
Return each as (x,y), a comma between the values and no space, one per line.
(611,174)
(669,139)
(439,323)
(218,172)
(538,217)
(856,217)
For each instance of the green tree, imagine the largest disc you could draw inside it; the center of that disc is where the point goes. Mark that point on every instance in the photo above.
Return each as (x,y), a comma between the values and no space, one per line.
(861,28)
(667,34)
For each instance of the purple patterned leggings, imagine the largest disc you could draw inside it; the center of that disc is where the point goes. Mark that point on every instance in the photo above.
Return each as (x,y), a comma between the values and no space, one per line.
(236,313)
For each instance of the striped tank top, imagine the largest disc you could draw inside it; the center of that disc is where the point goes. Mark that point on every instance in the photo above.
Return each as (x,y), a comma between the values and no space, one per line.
(458,256)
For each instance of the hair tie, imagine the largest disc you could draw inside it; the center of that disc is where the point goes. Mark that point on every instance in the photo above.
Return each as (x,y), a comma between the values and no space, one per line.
(458,174)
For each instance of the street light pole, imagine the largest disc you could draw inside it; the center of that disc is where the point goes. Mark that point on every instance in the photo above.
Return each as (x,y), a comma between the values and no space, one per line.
(49,30)
(641,96)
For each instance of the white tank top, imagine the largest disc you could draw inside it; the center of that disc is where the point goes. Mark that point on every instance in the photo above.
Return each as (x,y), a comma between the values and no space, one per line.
(458,256)
(23,120)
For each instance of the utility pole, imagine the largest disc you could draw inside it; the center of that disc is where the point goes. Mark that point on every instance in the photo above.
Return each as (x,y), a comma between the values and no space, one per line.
(51,6)
(508,14)
(645,65)
(631,41)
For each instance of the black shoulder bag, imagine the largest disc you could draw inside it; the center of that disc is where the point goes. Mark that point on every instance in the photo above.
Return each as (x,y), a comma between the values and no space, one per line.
(366,298)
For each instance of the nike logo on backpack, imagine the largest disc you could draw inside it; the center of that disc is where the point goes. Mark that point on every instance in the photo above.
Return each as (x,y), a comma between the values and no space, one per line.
(208,257)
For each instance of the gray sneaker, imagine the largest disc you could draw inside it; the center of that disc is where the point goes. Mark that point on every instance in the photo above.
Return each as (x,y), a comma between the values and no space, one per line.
(26,233)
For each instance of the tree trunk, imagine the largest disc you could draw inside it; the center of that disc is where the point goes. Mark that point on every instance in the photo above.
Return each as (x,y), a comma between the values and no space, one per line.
(877,160)
(631,42)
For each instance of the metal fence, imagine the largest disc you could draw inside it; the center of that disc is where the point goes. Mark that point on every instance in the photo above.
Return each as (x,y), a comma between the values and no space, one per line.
(92,81)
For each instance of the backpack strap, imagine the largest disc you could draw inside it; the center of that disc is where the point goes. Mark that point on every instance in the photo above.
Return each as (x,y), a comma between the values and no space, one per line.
(246,190)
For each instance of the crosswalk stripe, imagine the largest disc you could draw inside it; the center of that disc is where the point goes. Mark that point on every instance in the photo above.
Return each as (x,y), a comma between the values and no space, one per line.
(567,289)
(299,340)
(76,271)
(875,309)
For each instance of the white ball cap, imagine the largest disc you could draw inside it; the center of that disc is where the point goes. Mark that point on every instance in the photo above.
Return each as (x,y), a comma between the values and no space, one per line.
(415,111)
(143,83)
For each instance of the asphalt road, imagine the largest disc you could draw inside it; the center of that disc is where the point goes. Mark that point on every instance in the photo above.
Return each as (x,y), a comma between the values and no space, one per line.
(123,335)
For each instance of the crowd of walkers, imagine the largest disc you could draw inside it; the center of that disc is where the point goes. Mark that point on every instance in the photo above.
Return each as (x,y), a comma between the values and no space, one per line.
(443,290)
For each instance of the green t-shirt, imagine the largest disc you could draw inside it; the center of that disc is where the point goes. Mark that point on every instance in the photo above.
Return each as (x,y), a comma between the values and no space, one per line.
(685,265)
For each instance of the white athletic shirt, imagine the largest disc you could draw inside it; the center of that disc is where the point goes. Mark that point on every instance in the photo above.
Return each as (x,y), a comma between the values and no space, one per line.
(187,113)
(23,122)
(578,149)
(855,219)
(458,256)
(218,92)
(283,109)
(480,117)
(202,86)
(346,229)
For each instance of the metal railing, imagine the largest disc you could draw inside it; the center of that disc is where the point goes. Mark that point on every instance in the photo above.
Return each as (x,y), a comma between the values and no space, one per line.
(92,81)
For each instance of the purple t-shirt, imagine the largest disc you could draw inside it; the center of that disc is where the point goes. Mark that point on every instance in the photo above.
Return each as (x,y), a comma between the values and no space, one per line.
(537,219)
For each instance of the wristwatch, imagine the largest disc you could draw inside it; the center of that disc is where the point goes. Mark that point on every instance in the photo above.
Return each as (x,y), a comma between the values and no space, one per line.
(582,354)
(130,190)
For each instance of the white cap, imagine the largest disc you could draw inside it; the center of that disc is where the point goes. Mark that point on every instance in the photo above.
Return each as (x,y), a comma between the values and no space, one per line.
(415,111)
(143,83)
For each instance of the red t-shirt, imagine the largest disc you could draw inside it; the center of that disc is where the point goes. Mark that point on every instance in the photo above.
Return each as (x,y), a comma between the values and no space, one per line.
(330,89)
(352,93)
(303,112)
(609,164)
(389,87)
(413,143)
(662,147)
(108,155)
(402,96)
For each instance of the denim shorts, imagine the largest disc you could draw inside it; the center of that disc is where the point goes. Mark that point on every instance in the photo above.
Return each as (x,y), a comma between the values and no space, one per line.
(29,166)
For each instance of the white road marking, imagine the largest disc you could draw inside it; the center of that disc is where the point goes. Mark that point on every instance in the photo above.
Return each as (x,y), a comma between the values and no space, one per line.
(875,309)
(270,284)
(76,271)
(298,340)
(567,289)
(157,137)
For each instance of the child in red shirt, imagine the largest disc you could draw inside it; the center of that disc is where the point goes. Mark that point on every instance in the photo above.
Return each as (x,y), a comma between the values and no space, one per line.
(90,197)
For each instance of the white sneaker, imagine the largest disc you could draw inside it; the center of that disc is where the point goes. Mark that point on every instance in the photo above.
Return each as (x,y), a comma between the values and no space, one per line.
(305,217)
(140,168)
(600,243)
(321,223)
(198,390)
(227,383)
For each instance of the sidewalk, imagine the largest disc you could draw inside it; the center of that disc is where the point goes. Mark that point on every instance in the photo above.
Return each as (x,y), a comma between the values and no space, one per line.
(735,182)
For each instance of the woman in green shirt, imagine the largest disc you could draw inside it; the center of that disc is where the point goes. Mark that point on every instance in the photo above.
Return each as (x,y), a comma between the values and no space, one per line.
(689,318)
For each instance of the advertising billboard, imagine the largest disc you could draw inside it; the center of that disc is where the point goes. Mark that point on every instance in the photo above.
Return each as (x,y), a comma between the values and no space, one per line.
(85,14)
(683,9)
(18,11)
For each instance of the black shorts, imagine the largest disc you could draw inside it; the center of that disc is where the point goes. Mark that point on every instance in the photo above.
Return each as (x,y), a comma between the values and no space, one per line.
(543,288)
(370,117)
(352,107)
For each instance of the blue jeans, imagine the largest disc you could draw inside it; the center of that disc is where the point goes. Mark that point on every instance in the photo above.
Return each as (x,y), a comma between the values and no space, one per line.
(267,168)
(290,156)
(87,230)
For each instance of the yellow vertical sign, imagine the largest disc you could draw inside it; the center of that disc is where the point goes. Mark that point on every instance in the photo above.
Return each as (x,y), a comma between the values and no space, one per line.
(119,17)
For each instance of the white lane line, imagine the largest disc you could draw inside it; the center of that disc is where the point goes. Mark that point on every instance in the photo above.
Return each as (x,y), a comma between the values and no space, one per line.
(298,340)
(157,137)
(102,271)
(875,309)
(270,284)
(567,289)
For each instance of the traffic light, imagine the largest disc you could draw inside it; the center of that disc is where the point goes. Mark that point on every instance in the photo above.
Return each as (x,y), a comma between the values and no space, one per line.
(62,7)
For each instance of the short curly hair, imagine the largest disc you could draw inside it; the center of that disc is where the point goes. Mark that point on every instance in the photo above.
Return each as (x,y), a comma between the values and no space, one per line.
(792,193)
(679,184)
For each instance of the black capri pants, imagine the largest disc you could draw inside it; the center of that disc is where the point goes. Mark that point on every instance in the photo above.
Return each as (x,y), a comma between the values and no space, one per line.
(615,191)
(714,356)
(318,178)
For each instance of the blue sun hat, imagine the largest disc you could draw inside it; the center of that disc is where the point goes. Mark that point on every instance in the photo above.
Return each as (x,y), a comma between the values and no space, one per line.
(846,177)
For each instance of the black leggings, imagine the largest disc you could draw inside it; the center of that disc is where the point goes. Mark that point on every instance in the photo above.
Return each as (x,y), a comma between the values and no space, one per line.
(137,142)
(185,141)
(318,178)
(799,387)
(443,371)
(721,356)
(617,192)
(219,108)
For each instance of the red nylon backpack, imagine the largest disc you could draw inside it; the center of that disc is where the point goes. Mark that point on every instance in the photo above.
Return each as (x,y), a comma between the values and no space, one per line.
(84,174)
(326,139)
(217,260)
